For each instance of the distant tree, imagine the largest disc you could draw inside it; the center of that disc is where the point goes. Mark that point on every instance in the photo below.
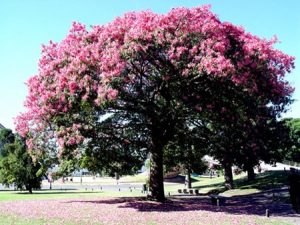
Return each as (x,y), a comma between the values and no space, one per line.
(18,168)
(267,139)
(187,149)
(6,137)
(232,130)
(293,124)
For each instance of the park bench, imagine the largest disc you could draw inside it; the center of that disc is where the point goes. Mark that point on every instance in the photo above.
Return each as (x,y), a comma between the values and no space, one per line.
(188,191)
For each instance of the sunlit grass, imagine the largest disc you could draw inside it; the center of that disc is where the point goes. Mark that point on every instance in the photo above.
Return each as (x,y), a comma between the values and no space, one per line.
(18,220)
(205,185)
(264,181)
(57,194)
(138,178)
(86,210)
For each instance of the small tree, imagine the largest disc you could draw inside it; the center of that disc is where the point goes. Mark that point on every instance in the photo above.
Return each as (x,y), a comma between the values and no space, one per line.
(6,137)
(18,168)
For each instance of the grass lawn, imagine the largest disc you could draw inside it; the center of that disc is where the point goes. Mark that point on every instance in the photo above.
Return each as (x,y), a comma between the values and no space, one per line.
(57,194)
(17,220)
(119,210)
(264,181)
(20,220)
(205,185)
(138,178)
(125,207)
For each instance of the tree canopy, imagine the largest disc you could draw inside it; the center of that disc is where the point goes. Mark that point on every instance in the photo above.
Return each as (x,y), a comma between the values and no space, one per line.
(119,91)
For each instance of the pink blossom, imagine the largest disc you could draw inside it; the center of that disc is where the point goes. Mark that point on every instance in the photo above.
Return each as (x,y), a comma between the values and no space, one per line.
(112,94)
(198,108)
(73,87)
(83,66)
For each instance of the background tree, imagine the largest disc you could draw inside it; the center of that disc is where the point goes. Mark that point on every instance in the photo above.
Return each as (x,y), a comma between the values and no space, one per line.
(293,125)
(18,168)
(152,73)
(116,145)
(267,139)
(6,137)
(187,150)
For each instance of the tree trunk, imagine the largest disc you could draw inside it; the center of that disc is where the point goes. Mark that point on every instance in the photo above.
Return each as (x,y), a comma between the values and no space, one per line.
(189,181)
(156,176)
(250,173)
(228,175)
(29,188)
(161,132)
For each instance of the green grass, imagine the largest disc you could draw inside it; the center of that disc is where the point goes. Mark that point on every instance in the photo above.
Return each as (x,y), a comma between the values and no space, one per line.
(17,220)
(139,178)
(264,181)
(14,195)
(205,185)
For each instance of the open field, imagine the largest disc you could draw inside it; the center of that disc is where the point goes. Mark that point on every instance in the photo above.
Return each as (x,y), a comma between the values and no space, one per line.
(264,181)
(122,210)
(244,205)
(57,194)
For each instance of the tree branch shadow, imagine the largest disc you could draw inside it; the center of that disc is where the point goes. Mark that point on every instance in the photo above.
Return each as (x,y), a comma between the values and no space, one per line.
(254,204)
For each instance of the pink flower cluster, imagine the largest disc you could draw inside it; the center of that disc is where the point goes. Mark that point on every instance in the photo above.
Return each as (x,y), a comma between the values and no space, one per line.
(82,67)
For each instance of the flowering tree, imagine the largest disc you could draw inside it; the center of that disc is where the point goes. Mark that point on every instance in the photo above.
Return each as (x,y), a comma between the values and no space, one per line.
(128,85)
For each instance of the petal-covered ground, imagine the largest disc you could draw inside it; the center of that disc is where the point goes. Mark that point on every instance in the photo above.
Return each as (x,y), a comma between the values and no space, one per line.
(137,211)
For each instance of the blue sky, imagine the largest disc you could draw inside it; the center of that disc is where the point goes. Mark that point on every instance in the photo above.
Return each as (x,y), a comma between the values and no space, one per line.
(27,24)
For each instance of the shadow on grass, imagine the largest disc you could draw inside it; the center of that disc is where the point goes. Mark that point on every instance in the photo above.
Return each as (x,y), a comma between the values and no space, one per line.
(264,181)
(254,204)
(251,204)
